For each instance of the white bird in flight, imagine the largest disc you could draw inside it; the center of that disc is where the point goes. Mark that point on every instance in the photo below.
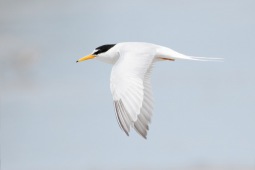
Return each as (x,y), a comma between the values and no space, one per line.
(130,79)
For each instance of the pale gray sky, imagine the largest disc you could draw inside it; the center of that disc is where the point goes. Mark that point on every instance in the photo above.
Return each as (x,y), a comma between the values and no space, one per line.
(56,114)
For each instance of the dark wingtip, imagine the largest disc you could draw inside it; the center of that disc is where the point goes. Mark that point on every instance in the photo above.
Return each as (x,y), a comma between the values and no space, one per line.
(77,61)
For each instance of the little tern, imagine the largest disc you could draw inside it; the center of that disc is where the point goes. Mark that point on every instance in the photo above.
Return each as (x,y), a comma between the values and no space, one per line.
(130,79)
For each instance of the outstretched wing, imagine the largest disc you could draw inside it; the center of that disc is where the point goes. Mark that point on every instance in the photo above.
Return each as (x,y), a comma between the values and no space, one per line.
(131,90)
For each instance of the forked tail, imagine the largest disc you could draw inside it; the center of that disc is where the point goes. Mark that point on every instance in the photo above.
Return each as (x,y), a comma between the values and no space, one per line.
(204,58)
(169,54)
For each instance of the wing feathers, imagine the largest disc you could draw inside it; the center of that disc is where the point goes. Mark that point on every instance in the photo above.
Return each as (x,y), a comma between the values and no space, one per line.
(140,128)
(131,90)
(120,119)
(122,116)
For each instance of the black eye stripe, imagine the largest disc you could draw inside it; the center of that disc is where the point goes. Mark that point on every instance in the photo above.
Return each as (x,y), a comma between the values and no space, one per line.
(103,48)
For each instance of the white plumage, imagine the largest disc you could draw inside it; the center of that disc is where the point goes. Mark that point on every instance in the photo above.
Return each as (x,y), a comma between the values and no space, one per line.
(130,79)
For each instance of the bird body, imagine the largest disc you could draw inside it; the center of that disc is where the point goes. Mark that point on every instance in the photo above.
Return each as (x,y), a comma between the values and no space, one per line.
(130,79)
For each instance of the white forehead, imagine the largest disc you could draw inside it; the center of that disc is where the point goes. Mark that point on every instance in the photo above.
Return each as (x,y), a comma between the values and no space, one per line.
(95,50)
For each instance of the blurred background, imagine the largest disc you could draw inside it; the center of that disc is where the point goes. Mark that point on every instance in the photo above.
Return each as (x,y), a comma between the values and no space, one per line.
(58,115)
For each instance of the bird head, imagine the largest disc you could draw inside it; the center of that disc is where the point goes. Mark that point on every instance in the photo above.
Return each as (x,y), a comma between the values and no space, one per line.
(99,52)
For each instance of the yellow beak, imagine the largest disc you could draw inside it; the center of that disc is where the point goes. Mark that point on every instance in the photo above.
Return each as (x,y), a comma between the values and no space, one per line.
(86,58)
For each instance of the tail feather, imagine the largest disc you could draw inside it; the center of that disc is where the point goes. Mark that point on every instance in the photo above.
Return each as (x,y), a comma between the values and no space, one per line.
(206,59)
(167,53)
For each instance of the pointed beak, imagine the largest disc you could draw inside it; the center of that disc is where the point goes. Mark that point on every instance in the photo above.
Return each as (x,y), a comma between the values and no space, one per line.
(91,56)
